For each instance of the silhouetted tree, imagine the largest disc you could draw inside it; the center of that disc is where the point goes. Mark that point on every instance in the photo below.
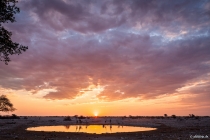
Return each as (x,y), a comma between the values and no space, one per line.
(7,46)
(5,104)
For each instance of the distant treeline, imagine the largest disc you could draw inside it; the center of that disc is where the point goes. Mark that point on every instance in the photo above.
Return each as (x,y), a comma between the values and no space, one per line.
(123,117)
(9,117)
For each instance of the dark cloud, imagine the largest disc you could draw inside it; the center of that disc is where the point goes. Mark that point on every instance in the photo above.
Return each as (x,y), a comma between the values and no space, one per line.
(132,48)
(97,16)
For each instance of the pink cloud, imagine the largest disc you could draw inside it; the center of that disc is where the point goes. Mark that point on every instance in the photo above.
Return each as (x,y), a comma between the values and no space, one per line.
(70,44)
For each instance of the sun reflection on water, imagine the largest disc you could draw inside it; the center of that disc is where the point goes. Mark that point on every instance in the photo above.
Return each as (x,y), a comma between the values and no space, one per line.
(98,129)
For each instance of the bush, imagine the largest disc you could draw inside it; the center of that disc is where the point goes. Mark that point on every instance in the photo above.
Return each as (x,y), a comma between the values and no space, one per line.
(14,116)
(81,117)
(173,116)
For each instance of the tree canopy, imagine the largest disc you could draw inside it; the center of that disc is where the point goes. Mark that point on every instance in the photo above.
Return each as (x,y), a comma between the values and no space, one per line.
(5,104)
(7,46)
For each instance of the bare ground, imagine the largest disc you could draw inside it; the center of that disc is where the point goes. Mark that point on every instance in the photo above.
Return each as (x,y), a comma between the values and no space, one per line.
(167,129)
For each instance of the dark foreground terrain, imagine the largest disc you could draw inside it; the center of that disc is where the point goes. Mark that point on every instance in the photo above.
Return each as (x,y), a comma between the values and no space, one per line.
(179,128)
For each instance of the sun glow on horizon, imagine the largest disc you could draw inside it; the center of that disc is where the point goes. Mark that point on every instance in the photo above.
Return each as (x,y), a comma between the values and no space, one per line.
(96,114)
(23,99)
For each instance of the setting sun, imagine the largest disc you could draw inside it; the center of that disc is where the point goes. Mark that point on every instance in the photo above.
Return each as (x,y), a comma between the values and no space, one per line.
(96,114)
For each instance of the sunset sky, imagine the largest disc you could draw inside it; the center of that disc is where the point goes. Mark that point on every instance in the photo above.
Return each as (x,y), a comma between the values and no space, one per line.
(110,57)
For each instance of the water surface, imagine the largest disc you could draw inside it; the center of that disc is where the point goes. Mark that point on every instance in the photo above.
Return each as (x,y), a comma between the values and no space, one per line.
(98,129)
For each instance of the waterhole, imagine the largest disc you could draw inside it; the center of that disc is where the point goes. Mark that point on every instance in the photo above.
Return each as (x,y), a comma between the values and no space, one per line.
(97,129)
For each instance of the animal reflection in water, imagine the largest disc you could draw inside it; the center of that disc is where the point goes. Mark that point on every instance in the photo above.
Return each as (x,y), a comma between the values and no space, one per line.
(79,127)
(67,126)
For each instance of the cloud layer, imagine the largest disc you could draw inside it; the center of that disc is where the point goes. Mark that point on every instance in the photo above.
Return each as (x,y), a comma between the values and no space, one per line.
(130,48)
